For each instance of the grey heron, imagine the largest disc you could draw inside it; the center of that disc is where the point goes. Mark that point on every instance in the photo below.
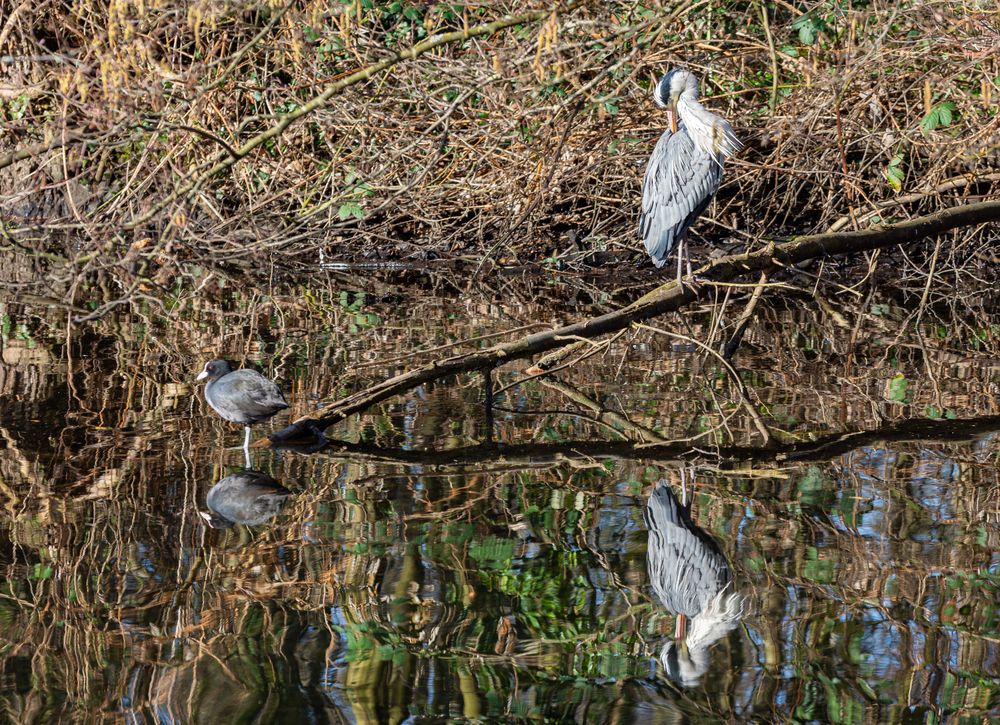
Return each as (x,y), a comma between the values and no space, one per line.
(690,576)
(684,169)
(241,396)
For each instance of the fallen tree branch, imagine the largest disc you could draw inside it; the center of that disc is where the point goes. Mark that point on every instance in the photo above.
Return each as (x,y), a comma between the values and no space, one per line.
(666,298)
(957,182)
(521,455)
(73,135)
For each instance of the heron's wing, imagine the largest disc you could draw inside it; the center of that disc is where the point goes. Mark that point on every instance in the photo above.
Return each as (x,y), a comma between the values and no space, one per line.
(680,181)
(686,568)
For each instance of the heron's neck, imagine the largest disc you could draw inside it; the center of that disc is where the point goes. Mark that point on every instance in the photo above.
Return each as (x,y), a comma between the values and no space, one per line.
(710,133)
(698,120)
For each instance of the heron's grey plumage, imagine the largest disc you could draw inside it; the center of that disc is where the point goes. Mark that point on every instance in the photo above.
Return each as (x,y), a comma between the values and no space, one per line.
(685,168)
(679,184)
(690,576)
(686,567)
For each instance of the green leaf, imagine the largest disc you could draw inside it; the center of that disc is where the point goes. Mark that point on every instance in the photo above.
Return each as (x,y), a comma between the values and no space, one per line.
(894,172)
(942,114)
(929,122)
(350,209)
(809,27)
(945,112)
(897,388)
(894,175)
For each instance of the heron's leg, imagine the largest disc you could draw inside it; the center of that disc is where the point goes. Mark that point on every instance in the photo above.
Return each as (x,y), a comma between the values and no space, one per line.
(680,259)
(684,257)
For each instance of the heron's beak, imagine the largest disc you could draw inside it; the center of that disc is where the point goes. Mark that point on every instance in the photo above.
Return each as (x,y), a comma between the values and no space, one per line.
(672,115)
(202,375)
(680,628)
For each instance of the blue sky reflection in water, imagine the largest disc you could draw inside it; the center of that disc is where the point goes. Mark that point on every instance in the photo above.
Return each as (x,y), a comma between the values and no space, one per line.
(395,584)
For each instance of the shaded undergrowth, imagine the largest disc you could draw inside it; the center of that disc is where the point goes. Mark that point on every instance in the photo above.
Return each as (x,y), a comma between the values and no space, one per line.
(526,145)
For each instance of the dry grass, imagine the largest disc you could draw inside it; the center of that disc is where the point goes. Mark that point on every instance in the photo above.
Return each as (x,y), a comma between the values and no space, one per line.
(521,145)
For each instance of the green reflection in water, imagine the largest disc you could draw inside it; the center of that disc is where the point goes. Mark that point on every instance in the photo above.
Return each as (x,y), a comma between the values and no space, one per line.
(508,587)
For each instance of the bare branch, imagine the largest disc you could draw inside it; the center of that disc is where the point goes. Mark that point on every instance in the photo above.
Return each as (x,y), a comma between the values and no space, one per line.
(666,298)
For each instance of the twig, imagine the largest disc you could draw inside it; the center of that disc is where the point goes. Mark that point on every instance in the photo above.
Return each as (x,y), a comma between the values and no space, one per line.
(956,182)
(741,388)
(734,341)
(222,162)
(774,57)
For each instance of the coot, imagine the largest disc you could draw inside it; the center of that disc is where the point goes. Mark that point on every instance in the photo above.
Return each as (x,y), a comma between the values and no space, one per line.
(246,497)
(241,396)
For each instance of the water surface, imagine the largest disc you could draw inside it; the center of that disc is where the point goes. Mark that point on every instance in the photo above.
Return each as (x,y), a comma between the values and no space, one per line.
(436,569)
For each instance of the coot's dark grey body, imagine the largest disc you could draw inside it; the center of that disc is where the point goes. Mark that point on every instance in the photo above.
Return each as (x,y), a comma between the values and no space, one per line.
(241,396)
(247,497)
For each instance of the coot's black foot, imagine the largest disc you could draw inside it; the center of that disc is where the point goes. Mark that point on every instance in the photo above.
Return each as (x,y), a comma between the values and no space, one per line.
(317,431)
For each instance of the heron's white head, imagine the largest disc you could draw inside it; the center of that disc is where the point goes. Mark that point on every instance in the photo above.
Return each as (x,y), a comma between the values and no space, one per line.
(684,665)
(686,660)
(668,91)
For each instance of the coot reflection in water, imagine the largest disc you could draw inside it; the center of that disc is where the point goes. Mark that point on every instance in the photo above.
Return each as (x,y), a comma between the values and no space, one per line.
(690,577)
(245,497)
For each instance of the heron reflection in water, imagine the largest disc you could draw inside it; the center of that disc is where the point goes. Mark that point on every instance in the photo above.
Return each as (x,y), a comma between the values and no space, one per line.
(690,576)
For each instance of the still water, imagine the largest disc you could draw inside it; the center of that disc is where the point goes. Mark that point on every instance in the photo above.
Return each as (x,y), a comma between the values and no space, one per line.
(427,568)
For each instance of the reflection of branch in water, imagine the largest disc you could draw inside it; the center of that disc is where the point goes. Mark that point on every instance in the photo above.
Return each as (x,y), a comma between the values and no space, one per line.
(615,421)
(666,298)
(535,453)
(738,384)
